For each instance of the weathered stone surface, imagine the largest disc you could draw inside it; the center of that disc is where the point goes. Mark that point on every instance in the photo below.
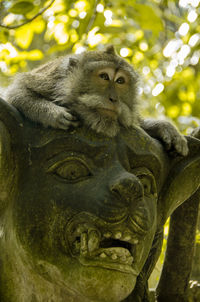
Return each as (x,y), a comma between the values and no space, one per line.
(174,281)
(82,214)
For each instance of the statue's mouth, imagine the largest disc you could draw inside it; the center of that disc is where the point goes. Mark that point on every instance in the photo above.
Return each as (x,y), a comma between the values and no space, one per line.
(99,246)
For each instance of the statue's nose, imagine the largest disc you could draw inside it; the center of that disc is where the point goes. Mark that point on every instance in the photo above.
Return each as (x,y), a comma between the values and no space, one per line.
(127,188)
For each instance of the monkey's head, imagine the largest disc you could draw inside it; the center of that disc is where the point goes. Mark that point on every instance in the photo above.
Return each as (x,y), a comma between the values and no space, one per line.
(103,89)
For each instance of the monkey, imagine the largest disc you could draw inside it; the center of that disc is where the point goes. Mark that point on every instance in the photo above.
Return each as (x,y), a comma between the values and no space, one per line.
(99,88)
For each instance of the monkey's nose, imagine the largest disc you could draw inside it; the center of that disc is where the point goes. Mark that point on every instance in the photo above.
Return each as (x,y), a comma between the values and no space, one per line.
(113,100)
(127,188)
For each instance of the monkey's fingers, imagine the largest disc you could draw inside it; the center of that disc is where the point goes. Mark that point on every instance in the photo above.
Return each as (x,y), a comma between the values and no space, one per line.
(68,115)
(172,138)
(61,118)
(180,144)
(165,136)
(65,124)
(75,124)
(196,132)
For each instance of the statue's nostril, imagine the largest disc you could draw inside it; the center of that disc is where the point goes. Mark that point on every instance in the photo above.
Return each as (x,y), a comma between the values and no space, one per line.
(127,188)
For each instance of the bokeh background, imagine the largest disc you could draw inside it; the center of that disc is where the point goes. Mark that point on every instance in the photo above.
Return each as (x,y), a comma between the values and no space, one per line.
(161,38)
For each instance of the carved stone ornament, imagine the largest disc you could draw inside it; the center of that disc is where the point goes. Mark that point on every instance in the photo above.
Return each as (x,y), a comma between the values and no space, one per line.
(82,214)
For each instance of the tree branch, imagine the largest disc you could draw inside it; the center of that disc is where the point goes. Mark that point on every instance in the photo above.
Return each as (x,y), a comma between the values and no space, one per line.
(28,20)
(92,19)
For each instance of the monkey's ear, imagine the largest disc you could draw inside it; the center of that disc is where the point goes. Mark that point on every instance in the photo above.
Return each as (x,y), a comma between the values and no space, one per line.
(196,132)
(69,63)
(73,62)
(110,50)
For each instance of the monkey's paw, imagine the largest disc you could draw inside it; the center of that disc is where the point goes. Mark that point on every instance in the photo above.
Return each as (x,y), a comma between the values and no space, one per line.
(196,132)
(62,118)
(169,135)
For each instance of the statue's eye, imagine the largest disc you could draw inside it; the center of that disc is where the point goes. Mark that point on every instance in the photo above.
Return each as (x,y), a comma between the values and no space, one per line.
(71,170)
(120,80)
(148,184)
(147,180)
(104,76)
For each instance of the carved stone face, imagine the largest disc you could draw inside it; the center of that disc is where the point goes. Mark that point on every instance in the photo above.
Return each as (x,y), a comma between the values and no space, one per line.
(85,219)
(79,214)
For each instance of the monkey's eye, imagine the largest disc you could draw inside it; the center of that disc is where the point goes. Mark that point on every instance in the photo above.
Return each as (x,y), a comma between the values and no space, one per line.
(104,76)
(120,80)
(71,171)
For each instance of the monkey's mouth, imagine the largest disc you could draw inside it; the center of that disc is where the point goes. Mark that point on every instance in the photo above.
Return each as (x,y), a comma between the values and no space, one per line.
(111,113)
(109,249)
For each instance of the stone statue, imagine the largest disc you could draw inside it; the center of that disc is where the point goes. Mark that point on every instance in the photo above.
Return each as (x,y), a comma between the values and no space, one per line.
(82,214)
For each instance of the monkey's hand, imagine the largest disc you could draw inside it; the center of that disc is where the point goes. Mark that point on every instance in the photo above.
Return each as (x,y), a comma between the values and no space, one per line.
(61,118)
(167,133)
(196,132)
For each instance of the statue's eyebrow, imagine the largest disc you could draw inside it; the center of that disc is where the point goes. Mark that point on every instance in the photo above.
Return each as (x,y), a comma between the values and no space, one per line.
(70,144)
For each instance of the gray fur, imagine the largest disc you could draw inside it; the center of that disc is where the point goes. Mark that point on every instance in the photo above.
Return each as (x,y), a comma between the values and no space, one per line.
(50,93)
(56,93)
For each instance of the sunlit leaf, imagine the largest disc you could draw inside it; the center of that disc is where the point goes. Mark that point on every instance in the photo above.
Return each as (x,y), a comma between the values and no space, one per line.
(38,26)
(4,53)
(14,68)
(21,7)
(191,96)
(73,13)
(3,36)
(35,55)
(182,95)
(139,34)
(173,111)
(146,16)
(24,36)
(186,109)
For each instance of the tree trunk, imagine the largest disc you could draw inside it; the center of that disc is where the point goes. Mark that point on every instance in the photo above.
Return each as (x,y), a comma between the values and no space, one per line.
(174,281)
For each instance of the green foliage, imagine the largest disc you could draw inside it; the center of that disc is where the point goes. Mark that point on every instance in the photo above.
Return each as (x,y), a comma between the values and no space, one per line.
(160,38)
(21,7)
(198,237)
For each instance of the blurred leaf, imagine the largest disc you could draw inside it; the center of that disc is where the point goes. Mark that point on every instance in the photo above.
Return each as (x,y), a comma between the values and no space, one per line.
(4,36)
(39,25)
(24,36)
(35,55)
(146,16)
(173,111)
(21,7)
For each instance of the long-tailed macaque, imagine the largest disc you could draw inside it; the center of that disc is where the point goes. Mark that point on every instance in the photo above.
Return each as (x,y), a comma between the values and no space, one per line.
(97,87)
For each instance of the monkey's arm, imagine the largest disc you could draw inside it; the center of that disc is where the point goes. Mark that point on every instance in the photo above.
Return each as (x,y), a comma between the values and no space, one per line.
(38,108)
(166,132)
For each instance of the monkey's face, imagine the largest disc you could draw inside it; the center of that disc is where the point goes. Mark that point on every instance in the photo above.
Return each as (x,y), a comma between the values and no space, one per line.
(107,97)
(112,85)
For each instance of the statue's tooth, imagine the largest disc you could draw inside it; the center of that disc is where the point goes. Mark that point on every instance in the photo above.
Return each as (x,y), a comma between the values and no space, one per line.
(84,245)
(123,258)
(127,238)
(118,235)
(76,246)
(129,260)
(93,241)
(102,255)
(79,229)
(107,234)
(114,256)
